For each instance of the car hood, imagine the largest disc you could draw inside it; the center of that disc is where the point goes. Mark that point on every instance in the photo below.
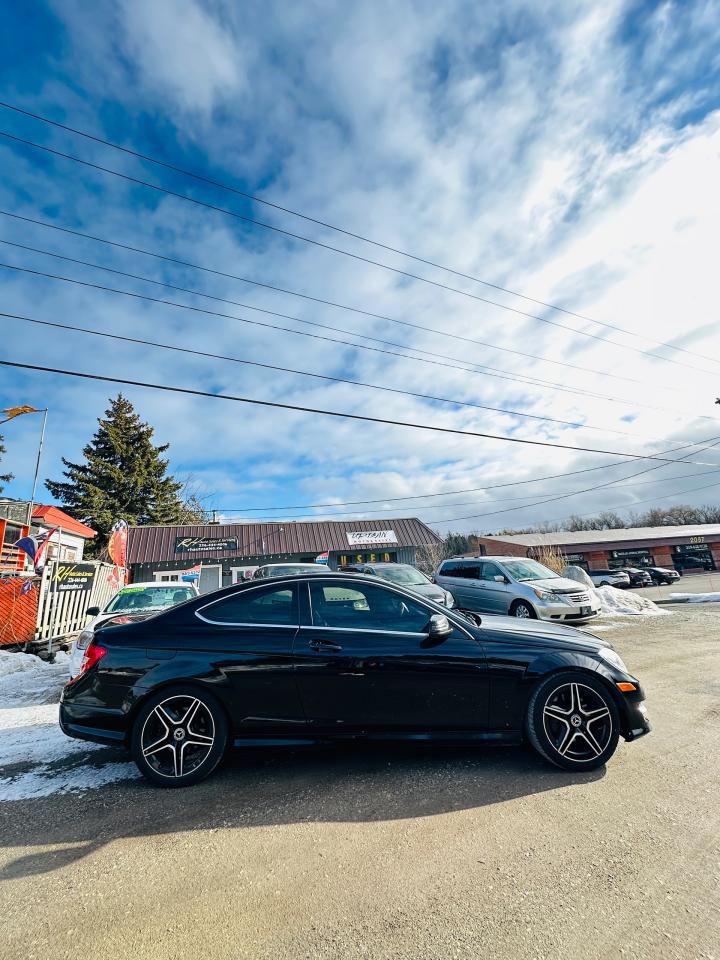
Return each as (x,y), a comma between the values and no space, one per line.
(429,590)
(543,630)
(556,585)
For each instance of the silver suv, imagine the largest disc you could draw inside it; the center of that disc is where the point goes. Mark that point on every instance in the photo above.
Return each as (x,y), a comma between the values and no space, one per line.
(516,586)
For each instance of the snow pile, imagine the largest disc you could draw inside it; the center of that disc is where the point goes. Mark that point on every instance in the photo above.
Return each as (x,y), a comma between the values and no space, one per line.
(624,603)
(614,602)
(28,679)
(36,758)
(695,597)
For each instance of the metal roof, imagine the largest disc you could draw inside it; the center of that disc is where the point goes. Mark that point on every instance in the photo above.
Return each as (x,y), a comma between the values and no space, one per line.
(152,544)
(563,537)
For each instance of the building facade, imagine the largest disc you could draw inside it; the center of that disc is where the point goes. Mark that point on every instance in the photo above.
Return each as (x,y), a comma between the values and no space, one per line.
(686,548)
(226,553)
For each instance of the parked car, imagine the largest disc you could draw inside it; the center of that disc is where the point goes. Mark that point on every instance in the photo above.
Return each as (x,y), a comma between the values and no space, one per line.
(609,578)
(286,569)
(692,563)
(137,602)
(516,586)
(405,575)
(638,577)
(663,575)
(309,658)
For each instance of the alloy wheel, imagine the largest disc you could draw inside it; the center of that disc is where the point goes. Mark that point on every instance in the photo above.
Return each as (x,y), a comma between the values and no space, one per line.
(523,611)
(177,736)
(578,722)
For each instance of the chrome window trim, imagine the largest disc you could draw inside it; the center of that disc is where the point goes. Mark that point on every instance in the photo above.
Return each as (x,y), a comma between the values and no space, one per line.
(242,623)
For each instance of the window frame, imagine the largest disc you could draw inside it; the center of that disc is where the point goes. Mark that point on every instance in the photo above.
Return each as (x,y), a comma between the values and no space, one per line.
(269,588)
(402,633)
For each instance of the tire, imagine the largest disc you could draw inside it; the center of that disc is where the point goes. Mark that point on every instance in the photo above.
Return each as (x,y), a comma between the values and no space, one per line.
(179,737)
(573,721)
(523,610)
(604,583)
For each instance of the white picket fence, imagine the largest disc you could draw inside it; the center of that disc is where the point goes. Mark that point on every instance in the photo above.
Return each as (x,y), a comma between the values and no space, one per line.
(67,589)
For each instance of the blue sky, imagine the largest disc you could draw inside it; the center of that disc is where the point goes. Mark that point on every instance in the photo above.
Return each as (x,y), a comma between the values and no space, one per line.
(565,151)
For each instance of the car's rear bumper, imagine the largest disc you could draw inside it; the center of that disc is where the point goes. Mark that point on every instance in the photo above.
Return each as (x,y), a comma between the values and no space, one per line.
(97,724)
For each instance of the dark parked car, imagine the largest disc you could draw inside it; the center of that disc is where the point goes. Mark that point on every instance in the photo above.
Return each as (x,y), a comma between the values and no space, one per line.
(663,575)
(307,659)
(638,577)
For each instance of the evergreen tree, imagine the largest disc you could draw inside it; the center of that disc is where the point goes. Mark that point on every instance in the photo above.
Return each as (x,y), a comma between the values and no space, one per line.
(123,476)
(4,477)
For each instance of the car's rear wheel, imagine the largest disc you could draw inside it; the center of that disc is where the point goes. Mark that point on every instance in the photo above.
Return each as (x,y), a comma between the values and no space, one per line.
(573,721)
(522,610)
(179,737)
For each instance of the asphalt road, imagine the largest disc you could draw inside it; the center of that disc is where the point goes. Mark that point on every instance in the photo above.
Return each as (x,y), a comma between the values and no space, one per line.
(398,854)
(688,583)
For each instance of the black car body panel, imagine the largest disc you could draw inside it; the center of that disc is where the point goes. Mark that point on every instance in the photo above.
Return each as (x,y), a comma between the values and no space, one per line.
(306,682)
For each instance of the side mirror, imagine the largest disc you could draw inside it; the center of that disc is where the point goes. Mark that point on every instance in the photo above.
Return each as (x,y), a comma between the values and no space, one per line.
(500,578)
(92,611)
(438,627)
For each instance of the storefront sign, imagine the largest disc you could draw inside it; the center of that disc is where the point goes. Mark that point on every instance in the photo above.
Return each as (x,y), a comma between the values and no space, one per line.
(367,557)
(359,538)
(73,577)
(205,544)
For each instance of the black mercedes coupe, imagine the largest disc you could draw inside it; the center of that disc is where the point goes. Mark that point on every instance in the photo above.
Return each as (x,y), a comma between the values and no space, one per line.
(307,659)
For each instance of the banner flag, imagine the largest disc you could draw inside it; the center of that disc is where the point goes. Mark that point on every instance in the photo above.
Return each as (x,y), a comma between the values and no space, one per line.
(12,412)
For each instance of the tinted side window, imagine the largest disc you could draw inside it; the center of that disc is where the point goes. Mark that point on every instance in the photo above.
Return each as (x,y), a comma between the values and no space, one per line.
(362,607)
(267,606)
(451,569)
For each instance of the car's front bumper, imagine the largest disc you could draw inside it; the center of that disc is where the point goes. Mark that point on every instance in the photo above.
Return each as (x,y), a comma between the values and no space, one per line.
(567,613)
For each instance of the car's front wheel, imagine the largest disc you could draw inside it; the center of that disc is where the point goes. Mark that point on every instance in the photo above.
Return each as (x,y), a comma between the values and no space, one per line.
(179,737)
(573,721)
(523,610)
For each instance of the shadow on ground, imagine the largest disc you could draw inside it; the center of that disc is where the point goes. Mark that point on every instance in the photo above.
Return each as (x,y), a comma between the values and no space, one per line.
(271,787)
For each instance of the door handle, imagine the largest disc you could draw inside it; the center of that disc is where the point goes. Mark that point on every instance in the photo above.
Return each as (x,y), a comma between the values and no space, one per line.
(324,645)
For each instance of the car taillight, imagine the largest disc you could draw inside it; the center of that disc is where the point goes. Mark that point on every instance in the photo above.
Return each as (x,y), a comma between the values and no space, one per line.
(92,655)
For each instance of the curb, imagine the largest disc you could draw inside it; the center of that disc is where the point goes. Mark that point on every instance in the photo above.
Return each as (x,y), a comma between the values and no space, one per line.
(679,600)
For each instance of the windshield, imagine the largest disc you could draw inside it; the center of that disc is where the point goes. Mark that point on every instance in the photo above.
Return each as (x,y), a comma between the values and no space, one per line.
(145,598)
(402,573)
(523,570)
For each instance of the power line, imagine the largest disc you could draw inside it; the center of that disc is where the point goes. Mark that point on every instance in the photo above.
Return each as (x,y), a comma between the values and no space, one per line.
(346,253)
(710,444)
(348,233)
(335,413)
(461,503)
(475,368)
(274,313)
(534,503)
(620,506)
(305,373)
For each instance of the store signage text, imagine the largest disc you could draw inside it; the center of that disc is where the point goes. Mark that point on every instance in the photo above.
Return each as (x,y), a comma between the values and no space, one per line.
(205,544)
(358,538)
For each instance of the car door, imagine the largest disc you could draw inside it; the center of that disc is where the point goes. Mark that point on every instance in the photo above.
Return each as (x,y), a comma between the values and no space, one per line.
(249,637)
(364,661)
(495,594)
(468,593)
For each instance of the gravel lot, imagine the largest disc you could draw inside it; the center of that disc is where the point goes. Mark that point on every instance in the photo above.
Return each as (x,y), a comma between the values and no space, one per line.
(399,854)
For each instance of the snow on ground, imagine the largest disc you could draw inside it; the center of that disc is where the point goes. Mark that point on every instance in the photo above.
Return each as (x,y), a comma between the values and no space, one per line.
(625,603)
(695,597)
(614,602)
(36,758)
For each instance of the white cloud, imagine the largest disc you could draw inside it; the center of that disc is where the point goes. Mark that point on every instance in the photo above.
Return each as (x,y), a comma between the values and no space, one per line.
(544,164)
